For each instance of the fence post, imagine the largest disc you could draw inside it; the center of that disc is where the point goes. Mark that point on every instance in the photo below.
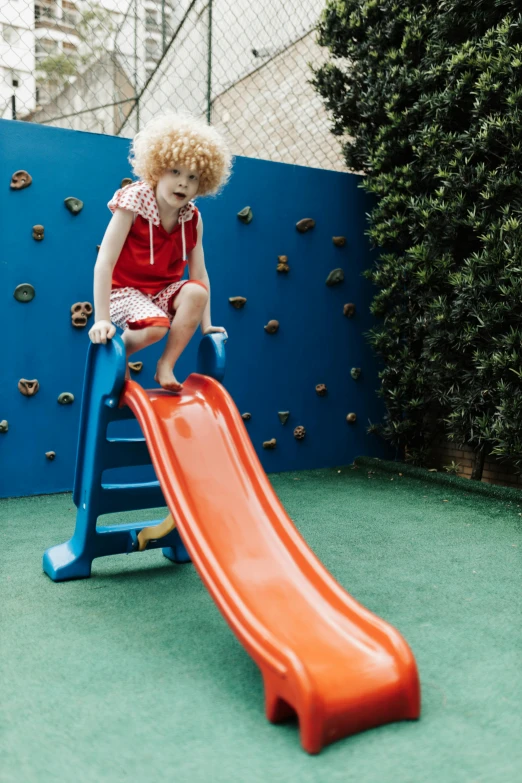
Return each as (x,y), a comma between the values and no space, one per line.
(209,63)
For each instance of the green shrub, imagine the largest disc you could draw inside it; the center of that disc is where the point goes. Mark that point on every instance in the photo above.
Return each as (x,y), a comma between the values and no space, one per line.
(427,98)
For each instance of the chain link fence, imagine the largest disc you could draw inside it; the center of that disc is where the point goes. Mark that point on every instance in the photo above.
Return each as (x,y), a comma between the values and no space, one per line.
(109,66)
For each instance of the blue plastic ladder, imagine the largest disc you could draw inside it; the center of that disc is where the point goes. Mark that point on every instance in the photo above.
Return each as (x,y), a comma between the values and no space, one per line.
(103,383)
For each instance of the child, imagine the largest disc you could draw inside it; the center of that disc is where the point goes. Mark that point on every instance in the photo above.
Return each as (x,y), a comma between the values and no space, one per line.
(155,231)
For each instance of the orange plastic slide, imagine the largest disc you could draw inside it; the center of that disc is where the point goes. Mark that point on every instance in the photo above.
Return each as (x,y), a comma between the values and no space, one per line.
(322,655)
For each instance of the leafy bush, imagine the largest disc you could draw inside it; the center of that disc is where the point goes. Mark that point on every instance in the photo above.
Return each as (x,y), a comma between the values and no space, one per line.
(428,100)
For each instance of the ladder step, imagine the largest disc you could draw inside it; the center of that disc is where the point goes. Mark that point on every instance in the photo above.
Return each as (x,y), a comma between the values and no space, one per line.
(125,453)
(125,440)
(127,497)
(120,414)
(134,485)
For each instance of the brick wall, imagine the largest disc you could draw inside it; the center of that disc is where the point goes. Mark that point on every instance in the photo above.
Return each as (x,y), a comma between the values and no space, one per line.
(495,472)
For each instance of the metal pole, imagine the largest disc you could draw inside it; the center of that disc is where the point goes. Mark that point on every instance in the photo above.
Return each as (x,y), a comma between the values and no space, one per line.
(13,106)
(171,42)
(209,63)
(163,29)
(136,62)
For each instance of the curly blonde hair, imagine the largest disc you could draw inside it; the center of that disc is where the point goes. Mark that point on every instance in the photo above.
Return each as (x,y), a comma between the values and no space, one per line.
(186,140)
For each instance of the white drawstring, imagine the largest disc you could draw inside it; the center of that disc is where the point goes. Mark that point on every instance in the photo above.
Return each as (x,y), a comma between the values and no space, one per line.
(182,240)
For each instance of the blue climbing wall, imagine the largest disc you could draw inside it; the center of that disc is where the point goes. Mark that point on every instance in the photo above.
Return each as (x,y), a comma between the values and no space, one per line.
(265,373)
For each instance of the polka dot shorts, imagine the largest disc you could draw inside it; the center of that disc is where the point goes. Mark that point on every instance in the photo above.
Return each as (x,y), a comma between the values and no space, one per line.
(132,309)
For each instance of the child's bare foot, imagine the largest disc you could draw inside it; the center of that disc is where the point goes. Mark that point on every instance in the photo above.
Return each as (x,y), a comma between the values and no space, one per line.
(165,377)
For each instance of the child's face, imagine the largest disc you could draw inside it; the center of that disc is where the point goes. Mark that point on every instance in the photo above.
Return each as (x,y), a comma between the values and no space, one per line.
(177,186)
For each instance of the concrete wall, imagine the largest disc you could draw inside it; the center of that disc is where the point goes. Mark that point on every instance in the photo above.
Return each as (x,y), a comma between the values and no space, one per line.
(247,38)
(266,373)
(105,83)
(275,113)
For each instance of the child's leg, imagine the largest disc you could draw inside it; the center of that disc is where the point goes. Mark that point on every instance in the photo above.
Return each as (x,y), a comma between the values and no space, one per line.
(143,321)
(136,339)
(189,306)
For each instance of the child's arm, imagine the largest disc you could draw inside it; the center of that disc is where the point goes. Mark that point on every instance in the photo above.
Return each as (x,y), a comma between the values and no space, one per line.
(198,271)
(109,252)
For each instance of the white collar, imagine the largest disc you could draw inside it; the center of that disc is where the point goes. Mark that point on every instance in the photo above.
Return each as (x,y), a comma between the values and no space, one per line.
(140,197)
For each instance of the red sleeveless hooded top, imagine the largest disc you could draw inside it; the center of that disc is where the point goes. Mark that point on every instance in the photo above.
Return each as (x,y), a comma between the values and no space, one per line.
(151,258)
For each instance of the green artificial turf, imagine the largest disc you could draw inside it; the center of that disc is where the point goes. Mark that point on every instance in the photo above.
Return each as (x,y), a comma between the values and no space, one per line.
(133,675)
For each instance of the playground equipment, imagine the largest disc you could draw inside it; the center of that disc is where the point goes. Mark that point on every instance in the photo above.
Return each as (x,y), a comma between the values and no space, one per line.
(322,655)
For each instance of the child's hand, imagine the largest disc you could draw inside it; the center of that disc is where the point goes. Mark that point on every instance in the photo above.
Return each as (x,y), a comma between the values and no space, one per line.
(213,329)
(102,331)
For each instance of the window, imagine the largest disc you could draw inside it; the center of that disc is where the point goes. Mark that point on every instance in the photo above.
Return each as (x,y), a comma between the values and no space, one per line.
(10,35)
(151,21)
(45,46)
(13,79)
(44,11)
(70,18)
(151,49)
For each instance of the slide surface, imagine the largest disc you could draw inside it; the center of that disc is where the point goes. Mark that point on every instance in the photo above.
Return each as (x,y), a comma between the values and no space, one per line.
(322,655)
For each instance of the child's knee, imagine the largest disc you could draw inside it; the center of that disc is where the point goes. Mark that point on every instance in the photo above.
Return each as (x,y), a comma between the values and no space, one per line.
(135,339)
(155,333)
(197,295)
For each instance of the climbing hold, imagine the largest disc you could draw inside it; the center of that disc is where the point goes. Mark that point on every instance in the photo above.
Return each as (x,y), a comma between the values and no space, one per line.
(305,225)
(98,248)
(245,215)
(283,416)
(349,310)
(299,433)
(270,444)
(50,455)
(282,266)
(335,276)
(38,233)
(339,241)
(246,416)
(136,366)
(74,205)
(20,180)
(355,372)
(79,320)
(321,389)
(125,181)
(272,327)
(28,388)
(80,312)
(24,292)
(66,398)
(351,418)
(237,301)
(4,425)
